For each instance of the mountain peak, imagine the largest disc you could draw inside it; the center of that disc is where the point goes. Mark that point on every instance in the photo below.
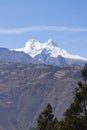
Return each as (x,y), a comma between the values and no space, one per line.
(50,43)
(34,47)
(32,40)
(31,43)
(49,40)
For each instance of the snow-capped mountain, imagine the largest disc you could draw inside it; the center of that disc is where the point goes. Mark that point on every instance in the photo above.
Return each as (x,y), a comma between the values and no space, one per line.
(34,48)
(40,53)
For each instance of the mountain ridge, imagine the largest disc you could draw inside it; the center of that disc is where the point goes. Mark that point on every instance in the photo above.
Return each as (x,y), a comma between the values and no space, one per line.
(34,47)
(40,53)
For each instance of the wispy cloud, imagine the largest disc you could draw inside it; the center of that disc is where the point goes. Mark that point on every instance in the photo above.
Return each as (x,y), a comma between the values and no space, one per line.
(40,28)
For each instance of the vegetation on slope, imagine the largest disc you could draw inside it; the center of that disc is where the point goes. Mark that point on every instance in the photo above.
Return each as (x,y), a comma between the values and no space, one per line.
(75,115)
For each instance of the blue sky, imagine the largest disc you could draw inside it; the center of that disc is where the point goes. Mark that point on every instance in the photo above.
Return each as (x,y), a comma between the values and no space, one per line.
(64,21)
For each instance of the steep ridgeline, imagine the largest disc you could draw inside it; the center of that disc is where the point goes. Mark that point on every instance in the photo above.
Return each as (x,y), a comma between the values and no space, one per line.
(25,90)
(40,53)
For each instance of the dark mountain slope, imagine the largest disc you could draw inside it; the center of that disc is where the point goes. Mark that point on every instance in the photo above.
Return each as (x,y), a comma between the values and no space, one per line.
(12,56)
(26,89)
(7,55)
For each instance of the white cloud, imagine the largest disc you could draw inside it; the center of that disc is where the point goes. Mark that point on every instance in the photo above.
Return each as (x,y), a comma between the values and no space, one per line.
(41,28)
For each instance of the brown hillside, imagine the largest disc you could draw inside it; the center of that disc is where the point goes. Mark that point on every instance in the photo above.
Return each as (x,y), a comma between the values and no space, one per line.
(26,89)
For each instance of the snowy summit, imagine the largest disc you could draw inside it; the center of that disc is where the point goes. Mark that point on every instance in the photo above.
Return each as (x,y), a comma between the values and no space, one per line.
(33,48)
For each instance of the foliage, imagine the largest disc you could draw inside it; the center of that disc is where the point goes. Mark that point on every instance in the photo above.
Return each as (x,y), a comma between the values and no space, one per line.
(46,120)
(75,115)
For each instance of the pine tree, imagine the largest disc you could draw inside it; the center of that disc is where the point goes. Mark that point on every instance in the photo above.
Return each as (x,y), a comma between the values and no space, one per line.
(76,114)
(46,120)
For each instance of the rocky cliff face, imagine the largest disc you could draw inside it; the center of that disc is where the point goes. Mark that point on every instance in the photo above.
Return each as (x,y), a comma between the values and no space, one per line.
(25,90)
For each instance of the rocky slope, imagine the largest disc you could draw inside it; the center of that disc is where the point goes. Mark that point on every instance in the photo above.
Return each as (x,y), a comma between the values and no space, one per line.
(25,90)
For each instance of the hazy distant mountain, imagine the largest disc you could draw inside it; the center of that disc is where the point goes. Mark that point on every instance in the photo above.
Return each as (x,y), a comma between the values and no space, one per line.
(25,90)
(35,52)
(13,56)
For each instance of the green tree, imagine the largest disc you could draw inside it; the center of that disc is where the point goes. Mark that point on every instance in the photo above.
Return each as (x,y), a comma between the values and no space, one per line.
(46,120)
(76,114)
